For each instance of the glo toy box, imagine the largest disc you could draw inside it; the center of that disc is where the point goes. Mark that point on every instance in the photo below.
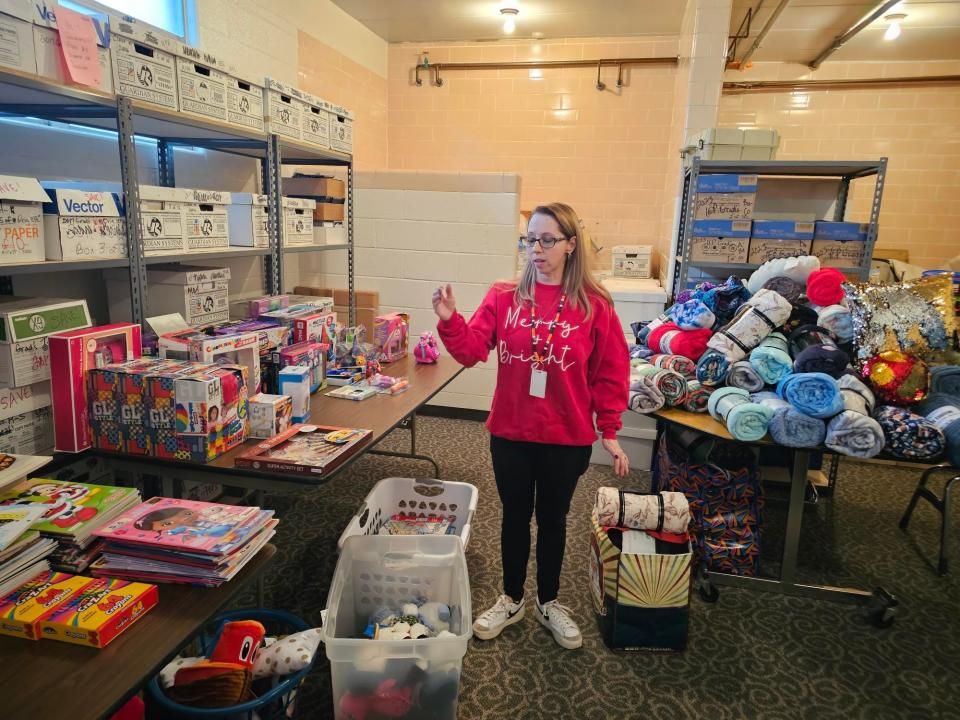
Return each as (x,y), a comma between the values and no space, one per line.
(390,336)
(211,412)
(308,354)
(191,344)
(22,610)
(295,381)
(269,415)
(72,355)
(99,612)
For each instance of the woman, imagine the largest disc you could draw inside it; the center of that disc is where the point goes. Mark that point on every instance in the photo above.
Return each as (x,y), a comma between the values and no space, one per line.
(562,359)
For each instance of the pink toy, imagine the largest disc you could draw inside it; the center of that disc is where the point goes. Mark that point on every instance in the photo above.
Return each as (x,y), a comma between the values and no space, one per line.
(426,351)
(387,700)
(390,336)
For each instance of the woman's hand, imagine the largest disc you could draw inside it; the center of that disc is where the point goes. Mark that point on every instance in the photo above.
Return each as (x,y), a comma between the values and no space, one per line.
(620,464)
(443,303)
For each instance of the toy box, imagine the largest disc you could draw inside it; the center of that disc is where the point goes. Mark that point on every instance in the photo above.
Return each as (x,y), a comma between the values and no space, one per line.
(15,28)
(83,225)
(144,63)
(244,101)
(283,107)
(297,221)
(727,183)
(271,335)
(315,327)
(201,86)
(722,228)
(25,327)
(260,305)
(295,381)
(341,128)
(193,345)
(270,415)
(724,206)
(390,336)
(22,610)
(307,354)
(21,205)
(99,612)
(72,355)
(287,315)
(211,412)
(205,220)
(632,261)
(312,450)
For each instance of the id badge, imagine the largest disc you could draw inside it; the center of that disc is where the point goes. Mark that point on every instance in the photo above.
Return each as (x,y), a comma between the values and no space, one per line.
(538,383)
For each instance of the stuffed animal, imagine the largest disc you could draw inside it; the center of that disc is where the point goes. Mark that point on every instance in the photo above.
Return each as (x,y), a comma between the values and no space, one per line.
(225,679)
(426,350)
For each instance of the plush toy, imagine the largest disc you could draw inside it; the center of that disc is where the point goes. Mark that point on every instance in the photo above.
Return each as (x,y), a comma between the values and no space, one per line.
(426,350)
(387,700)
(225,679)
(436,616)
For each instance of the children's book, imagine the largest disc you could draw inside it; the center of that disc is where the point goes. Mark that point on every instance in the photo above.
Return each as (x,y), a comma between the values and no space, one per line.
(15,521)
(360,391)
(14,468)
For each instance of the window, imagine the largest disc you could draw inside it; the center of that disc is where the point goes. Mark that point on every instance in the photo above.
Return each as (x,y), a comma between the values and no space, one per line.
(174,16)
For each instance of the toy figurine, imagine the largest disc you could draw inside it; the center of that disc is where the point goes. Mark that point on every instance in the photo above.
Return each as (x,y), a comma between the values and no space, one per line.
(426,350)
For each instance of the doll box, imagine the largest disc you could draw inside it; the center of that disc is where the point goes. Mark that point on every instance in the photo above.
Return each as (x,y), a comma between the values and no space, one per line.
(303,450)
(390,336)
(22,610)
(270,415)
(295,381)
(99,612)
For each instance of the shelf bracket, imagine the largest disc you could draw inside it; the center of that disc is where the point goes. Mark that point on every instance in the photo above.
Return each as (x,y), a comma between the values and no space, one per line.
(165,167)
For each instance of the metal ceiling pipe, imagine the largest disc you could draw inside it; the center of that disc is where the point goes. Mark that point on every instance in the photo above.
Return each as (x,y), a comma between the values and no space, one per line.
(762,34)
(841,40)
(736,88)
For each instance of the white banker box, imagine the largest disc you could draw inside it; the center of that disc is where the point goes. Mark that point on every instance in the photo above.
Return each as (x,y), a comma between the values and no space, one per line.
(21,220)
(84,225)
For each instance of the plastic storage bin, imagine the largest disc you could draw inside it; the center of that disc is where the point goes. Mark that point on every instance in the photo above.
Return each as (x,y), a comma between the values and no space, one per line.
(385,571)
(395,495)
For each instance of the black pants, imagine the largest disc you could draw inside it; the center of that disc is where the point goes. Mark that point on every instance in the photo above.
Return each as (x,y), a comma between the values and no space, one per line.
(535,476)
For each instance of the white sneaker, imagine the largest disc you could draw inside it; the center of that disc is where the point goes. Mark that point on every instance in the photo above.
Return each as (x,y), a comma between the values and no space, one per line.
(558,619)
(504,612)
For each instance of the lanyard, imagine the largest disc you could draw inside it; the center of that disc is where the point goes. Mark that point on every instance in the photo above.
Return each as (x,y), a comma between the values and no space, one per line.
(541,358)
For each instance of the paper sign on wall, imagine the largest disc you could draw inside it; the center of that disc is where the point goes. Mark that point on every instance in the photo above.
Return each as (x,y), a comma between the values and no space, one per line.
(78,44)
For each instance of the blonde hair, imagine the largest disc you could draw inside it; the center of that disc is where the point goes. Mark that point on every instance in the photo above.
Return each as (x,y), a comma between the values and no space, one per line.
(578,281)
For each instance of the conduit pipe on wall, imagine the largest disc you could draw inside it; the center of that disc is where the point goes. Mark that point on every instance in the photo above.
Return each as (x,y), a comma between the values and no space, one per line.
(543,65)
(742,62)
(735,88)
(841,40)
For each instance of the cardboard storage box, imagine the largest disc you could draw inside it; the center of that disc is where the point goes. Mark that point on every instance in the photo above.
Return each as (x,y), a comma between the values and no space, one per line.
(727,183)
(201,296)
(782,230)
(297,221)
(329,233)
(763,249)
(719,249)
(632,261)
(635,300)
(16,401)
(724,206)
(16,36)
(46,42)
(341,128)
(722,228)
(27,323)
(244,102)
(314,186)
(760,144)
(84,225)
(720,144)
(201,86)
(162,219)
(364,316)
(29,433)
(329,212)
(839,244)
(21,207)
(283,107)
(144,62)
(249,220)
(315,121)
(206,221)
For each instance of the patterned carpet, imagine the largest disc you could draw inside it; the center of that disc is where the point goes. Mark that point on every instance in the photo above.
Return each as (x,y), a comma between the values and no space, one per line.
(750,655)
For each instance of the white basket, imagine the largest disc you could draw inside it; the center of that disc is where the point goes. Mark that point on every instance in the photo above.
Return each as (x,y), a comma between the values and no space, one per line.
(395,495)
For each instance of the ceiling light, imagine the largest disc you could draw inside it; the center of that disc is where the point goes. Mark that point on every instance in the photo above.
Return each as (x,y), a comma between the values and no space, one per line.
(893,27)
(509,11)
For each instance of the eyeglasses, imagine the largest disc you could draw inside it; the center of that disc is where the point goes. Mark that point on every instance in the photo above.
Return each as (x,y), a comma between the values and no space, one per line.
(546,241)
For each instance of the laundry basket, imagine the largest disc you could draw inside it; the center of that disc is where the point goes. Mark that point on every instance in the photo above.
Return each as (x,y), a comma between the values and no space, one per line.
(274,704)
(385,571)
(405,495)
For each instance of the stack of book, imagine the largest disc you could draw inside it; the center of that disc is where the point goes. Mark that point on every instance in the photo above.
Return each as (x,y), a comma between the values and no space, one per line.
(72,512)
(169,540)
(23,551)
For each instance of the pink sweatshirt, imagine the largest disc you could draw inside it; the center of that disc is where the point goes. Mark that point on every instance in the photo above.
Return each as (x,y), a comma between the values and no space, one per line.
(588,366)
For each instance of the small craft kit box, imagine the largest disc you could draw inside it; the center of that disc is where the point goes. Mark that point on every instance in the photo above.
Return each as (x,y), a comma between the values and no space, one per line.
(244,101)
(726,183)
(212,413)
(632,261)
(21,210)
(72,355)
(46,42)
(249,220)
(642,598)
(341,128)
(25,327)
(298,221)
(303,450)
(270,415)
(206,223)
(782,230)
(162,219)
(22,610)
(201,86)
(16,31)
(839,244)
(390,336)
(295,382)
(315,128)
(103,609)
(722,228)
(84,225)
(316,327)
(307,354)
(144,62)
(283,107)
(724,206)
(257,306)
(719,249)
(763,249)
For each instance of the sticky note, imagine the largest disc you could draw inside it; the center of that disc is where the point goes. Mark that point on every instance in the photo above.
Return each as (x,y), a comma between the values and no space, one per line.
(78,44)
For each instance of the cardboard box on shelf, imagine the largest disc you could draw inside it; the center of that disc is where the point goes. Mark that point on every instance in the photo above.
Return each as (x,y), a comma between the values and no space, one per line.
(206,224)
(724,206)
(84,225)
(16,50)
(315,128)
(201,86)
(341,128)
(314,186)
(329,233)
(269,415)
(825,230)
(29,433)
(162,219)
(364,316)
(16,401)
(782,230)
(723,182)
(722,228)
(763,249)
(144,62)
(719,249)
(244,102)
(46,42)
(839,253)
(25,326)
(297,221)
(21,220)
(249,220)
(283,107)
(329,212)
(632,261)
(201,296)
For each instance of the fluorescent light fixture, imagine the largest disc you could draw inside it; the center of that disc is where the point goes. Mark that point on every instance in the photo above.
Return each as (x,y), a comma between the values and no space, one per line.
(893,26)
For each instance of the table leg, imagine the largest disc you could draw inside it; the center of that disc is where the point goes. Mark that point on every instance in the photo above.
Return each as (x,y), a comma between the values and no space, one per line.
(412,455)
(791,543)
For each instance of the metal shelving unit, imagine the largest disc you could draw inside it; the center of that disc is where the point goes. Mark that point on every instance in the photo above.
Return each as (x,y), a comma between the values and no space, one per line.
(25,95)
(845,171)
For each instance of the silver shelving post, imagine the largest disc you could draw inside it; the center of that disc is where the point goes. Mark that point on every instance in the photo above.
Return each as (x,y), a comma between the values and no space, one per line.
(130,180)
(685,229)
(874,228)
(273,263)
(350,281)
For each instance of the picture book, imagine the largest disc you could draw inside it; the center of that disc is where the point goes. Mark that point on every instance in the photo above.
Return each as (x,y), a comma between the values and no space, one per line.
(207,528)
(16,520)
(14,468)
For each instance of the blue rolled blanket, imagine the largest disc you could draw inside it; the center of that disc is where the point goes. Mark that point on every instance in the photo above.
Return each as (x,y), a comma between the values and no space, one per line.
(945,379)
(724,300)
(770,358)
(838,320)
(944,412)
(692,315)
(853,432)
(789,426)
(746,421)
(742,375)
(908,435)
(814,394)
(713,368)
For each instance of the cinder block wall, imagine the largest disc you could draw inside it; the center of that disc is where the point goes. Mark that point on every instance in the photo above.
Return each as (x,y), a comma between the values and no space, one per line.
(415,230)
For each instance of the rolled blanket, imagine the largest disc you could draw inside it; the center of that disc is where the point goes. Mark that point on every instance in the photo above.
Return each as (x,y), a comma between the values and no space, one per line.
(669,339)
(815,350)
(770,358)
(824,286)
(807,335)
(640,352)
(813,394)
(663,512)
(762,314)
(713,368)
(672,385)
(945,379)
(788,288)
(692,315)
(743,375)
(789,426)
(644,396)
(795,268)
(697,397)
(853,432)
(944,412)
(909,435)
(856,394)
(696,293)
(800,316)
(746,421)
(724,300)
(677,363)
(838,321)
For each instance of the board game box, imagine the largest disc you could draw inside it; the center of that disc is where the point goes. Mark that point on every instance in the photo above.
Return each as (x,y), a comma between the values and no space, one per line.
(312,450)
